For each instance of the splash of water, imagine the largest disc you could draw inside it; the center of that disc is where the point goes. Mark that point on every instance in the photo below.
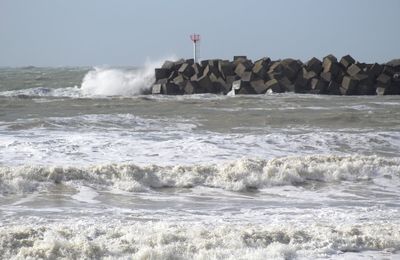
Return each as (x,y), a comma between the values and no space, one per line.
(120,82)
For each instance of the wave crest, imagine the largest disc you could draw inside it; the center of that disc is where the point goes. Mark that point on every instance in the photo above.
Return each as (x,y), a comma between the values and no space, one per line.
(239,175)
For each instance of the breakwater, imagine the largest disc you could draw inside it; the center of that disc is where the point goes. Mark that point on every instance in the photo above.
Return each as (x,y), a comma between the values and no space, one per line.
(329,76)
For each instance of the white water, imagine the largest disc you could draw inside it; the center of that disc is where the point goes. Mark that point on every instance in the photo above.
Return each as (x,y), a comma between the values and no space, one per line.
(118,82)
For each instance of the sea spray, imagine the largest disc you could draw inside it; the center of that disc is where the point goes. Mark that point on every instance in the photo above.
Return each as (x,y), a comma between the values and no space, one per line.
(120,82)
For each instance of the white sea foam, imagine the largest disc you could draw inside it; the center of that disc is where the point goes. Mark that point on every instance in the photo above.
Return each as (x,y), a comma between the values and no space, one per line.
(239,175)
(109,239)
(117,82)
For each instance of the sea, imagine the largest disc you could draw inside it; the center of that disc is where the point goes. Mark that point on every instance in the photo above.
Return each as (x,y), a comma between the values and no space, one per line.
(92,168)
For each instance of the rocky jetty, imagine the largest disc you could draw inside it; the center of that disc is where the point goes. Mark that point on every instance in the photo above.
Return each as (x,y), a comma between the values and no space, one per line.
(242,76)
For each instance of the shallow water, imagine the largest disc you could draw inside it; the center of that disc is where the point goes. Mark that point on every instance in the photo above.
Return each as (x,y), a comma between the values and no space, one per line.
(287,176)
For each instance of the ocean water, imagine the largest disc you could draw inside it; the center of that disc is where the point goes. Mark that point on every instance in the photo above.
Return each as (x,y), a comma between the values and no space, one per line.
(92,169)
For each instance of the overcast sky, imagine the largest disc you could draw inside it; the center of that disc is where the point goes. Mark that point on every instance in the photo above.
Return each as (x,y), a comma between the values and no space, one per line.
(127,32)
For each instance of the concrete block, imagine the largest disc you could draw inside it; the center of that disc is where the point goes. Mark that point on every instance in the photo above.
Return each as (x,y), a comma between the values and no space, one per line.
(333,88)
(389,70)
(309,74)
(192,87)
(274,85)
(366,89)
(346,61)
(361,77)
(206,84)
(275,66)
(326,76)
(222,85)
(394,63)
(226,68)
(260,67)
(315,65)
(170,89)
(259,86)
(240,69)
(186,70)
(275,75)
(231,79)
(179,80)
(302,84)
(318,86)
(286,84)
(239,58)
(374,70)
(242,87)
(353,69)
(330,58)
(174,74)
(330,65)
(161,81)
(384,79)
(291,68)
(247,76)
(198,70)
(349,86)
(161,73)
(156,89)
(380,90)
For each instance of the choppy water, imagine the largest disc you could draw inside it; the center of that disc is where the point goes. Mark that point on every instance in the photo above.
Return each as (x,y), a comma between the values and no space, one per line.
(89,169)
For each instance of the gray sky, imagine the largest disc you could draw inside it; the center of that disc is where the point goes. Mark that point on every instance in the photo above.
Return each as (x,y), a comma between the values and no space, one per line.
(127,32)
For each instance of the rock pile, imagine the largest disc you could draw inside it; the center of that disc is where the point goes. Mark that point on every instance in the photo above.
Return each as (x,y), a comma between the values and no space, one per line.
(242,76)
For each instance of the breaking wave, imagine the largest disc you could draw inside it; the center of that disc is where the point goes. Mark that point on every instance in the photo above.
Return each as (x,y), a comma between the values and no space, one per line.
(82,239)
(118,82)
(240,175)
